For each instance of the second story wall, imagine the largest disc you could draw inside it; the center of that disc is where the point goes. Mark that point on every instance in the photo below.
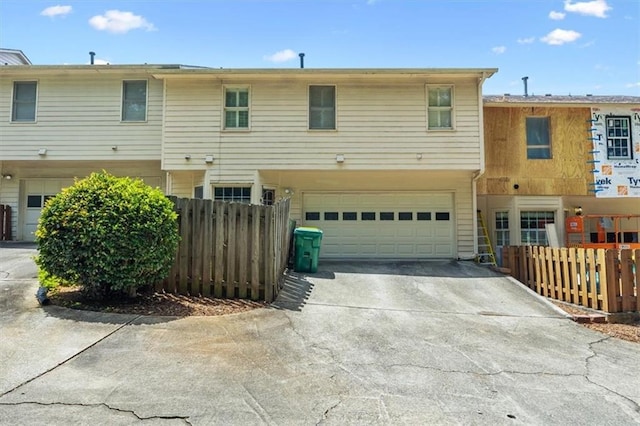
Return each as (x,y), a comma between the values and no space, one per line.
(510,170)
(78,116)
(380,124)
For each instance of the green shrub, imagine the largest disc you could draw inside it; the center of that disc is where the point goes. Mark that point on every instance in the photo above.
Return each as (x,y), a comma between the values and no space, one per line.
(110,235)
(47,280)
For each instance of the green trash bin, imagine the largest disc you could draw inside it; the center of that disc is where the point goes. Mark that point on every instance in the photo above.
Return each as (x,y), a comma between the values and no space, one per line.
(307,249)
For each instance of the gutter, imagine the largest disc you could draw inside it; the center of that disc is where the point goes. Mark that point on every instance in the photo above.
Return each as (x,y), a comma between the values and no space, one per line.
(478,174)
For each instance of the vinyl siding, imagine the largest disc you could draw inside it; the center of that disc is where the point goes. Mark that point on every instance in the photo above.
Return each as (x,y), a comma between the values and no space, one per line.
(78,118)
(379,126)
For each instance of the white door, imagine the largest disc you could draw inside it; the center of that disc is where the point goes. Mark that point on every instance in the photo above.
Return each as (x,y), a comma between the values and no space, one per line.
(37,192)
(382,225)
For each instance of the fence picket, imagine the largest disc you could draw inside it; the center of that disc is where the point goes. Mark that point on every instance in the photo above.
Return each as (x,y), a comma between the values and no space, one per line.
(220,226)
(563,269)
(550,272)
(636,257)
(582,276)
(592,278)
(244,256)
(573,275)
(604,279)
(255,253)
(207,248)
(269,258)
(626,275)
(196,248)
(231,238)
(185,242)
(531,264)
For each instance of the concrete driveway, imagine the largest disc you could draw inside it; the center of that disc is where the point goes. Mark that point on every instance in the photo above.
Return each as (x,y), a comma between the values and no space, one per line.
(356,343)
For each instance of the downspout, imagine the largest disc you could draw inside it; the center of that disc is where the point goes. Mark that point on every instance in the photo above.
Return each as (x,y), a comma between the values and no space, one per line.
(478,174)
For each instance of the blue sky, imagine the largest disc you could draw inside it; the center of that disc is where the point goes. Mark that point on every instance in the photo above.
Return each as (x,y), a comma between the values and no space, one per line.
(563,46)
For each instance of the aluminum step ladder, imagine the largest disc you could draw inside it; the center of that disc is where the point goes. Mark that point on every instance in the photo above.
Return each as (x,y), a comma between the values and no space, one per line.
(485,255)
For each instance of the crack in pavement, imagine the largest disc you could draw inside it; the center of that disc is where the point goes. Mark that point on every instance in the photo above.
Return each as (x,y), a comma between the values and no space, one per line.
(71,357)
(101,404)
(325,415)
(634,405)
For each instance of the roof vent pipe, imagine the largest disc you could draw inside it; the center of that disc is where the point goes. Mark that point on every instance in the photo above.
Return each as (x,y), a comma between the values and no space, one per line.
(301,59)
(92,54)
(526,93)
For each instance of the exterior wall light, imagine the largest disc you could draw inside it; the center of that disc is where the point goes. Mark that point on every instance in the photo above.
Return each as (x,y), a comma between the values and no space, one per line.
(339,158)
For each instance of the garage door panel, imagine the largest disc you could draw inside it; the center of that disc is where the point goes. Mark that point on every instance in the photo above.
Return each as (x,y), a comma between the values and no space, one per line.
(36,193)
(400,225)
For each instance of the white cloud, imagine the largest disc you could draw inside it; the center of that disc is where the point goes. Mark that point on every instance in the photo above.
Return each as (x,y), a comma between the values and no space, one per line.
(556,16)
(558,37)
(631,85)
(56,11)
(118,22)
(281,56)
(100,62)
(597,8)
(499,50)
(527,40)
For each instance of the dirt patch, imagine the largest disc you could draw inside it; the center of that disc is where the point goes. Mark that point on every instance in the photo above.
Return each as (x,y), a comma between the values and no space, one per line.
(628,331)
(153,303)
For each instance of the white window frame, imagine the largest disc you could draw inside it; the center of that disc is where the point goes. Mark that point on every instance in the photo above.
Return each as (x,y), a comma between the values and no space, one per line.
(13,102)
(232,198)
(236,109)
(335,108)
(538,147)
(539,231)
(438,108)
(619,139)
(502,234)
(123,100)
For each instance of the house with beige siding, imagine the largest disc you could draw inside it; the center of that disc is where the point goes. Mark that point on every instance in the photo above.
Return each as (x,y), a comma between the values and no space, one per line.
(384,161)
(58,123)
(549,158)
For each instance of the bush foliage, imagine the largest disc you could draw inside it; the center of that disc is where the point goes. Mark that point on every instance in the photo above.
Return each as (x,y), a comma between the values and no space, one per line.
(110,235)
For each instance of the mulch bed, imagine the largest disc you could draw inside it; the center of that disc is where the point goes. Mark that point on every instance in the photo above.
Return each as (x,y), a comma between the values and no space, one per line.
(153,303)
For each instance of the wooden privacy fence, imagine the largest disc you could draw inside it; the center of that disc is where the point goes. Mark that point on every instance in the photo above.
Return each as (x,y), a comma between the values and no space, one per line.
(5,222)
(230,250)
(602,279)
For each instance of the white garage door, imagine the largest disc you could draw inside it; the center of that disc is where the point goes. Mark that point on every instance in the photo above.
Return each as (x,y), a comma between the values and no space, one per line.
(37,192)
(391,225)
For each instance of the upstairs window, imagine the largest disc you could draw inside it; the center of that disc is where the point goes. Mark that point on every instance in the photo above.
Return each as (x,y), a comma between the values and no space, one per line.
(619,138)
(440,109)
(234,194)
(134,100)
(538,138)
(322,107)
(236,108)
(24,101)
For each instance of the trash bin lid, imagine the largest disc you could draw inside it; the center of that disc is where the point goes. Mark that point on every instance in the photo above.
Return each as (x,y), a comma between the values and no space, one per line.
(307,230)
